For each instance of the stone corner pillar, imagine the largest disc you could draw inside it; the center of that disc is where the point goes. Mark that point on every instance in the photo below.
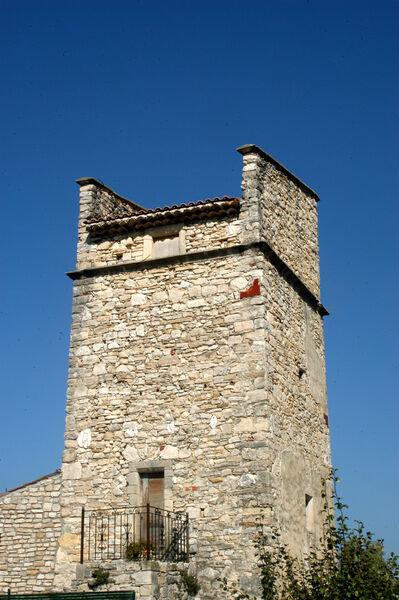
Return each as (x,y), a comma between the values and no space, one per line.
(252,191)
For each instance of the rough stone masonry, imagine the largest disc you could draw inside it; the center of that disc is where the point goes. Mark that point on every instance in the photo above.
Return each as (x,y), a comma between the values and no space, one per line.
(196,354)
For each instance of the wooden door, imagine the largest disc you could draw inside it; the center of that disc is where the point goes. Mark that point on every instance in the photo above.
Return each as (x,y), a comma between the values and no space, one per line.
(152,489)
(152,493)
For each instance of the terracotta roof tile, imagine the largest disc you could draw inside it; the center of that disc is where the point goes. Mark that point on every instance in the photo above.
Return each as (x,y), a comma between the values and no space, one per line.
(166,214)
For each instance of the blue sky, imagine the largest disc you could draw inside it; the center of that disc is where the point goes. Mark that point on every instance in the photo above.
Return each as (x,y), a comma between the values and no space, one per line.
(153,98)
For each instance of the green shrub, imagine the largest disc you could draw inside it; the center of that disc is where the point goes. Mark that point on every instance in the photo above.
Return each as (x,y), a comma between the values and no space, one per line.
(138,550)
(101,577)
(348,564)
(190,583)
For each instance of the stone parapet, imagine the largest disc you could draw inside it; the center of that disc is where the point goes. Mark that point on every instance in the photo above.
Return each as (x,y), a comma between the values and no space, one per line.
(287,213)
(150,580)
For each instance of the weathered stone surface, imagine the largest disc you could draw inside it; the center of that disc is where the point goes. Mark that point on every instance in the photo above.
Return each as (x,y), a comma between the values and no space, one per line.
(72,470)
(68,540)
(130,453)
(30,526)
(211,368)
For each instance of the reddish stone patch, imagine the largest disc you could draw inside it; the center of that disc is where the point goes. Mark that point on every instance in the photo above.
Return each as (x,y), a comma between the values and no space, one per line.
(173,352)
(194,488)
(254,290)
(161,447)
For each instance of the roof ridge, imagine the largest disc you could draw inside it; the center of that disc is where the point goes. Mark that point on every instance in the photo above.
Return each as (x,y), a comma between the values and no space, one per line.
(164,209)
(24,485)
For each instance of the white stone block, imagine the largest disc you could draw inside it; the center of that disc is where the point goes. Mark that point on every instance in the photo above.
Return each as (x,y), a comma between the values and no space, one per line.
(84,438)
(247,479)
(138,299)
(143,578)
(72,470)
(131,454)
(169,452)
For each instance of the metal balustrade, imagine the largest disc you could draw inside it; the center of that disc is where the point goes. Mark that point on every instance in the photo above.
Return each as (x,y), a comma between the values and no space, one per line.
(137,533)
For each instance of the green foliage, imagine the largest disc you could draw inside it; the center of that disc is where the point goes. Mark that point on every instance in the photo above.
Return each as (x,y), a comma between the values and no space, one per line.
(101,577)
(190,583)
(138,550)
(348,565)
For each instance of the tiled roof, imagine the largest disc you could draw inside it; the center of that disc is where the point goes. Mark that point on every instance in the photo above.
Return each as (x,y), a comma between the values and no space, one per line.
(24,485)
(167,214)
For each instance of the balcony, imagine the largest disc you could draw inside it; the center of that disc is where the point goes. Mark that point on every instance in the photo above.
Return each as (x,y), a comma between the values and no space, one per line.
(134,534)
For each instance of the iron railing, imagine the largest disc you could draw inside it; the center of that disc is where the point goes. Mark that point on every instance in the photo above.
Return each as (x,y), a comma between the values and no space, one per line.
(137,533)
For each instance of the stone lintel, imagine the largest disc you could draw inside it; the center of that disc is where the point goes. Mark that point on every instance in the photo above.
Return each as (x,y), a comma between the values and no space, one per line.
(83,181)
(253,149)
(282,268)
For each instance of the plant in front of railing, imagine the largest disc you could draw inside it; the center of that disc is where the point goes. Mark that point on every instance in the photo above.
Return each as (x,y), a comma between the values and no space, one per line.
(138,550)
(100,577)
(134,533)
(190,583)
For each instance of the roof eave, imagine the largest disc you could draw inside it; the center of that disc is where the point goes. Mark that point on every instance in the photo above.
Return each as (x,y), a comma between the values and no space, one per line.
(229,207)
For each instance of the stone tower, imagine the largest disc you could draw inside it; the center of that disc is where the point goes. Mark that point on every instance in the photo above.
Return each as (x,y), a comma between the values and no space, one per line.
(197,372)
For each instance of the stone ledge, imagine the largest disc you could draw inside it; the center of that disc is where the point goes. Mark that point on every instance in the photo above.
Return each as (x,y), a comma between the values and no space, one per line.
(283,269)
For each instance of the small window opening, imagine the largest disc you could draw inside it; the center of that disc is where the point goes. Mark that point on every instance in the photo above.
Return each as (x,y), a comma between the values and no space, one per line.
(309,508)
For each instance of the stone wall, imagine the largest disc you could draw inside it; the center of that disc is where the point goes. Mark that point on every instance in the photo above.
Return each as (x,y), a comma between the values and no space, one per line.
(122,248)
(212,366)
(151,580)
(288,208)
(206,361)
(30,525)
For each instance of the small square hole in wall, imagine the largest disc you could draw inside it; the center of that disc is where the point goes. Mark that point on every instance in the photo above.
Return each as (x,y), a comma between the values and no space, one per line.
(309,508)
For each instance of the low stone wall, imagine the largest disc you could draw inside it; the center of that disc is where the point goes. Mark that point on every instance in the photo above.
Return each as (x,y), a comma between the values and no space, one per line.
(30,526)
(150,580)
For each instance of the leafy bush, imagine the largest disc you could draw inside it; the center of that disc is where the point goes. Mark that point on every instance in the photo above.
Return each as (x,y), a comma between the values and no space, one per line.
(100,577)
(138,550)
(348,565)
(190,583)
